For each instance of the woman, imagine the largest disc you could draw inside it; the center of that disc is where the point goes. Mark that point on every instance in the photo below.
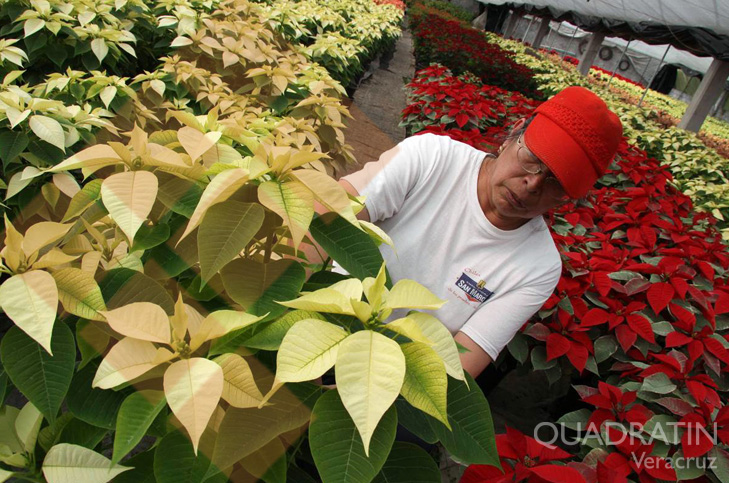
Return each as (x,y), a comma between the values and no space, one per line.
(469,225)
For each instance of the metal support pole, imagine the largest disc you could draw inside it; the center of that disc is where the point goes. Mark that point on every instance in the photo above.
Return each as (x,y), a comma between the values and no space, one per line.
(526,32)
(622,56)
(551,31)
(642,76)
(654,75)
(569,44)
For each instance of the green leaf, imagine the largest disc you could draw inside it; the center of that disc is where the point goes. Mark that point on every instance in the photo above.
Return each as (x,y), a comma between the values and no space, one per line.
(258,286)
(605,346)
(175,460)
(136,415)
(123,286)
(407,463)
(721,465)
(268,463)
(352,248)
(519,348)
(150,236)
(270,337)
(576,420)
(69,463)
(143,469)
(658,383)
(98,407)
(12,143)
(337,447)
(42,378)
(92,341)
(244,431)
(89,194)
(415,421)
(472,440)
(179,195)
(224,232)
(82,434)
(49,435)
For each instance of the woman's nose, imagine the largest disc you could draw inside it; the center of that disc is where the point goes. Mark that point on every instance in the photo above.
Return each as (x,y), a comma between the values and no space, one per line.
(534,182)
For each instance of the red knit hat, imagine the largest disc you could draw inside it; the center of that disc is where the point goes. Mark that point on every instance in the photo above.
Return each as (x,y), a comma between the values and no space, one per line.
(576,136)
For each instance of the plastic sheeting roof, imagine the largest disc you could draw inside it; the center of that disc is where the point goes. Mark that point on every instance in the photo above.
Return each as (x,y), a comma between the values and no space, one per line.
(698,26)
(638,51)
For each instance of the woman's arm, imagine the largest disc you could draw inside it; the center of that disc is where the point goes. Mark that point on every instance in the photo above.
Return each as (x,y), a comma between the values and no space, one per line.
(474,361)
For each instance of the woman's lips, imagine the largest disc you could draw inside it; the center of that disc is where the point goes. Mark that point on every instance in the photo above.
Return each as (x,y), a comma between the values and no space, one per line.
(513,200)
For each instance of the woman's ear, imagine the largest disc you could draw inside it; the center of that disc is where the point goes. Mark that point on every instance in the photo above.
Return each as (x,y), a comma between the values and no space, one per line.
(518,125)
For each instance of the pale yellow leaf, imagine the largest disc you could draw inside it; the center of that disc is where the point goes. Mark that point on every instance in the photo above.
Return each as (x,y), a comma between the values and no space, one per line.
(410,294)
(129,197)
(42,234)
(426,383)
(219,323)
(327,191)
(193,388)
(90,262)
(293,202)
(239,386)
(308,350)
(370,371)
(27,426)
(66,183)
(79,293)
(220,189)
(351,288)
(99,48)
(128,359)
(442,342)
(141,320)
(53,258)
(30,300)
(49,130)
(164,157)
(92,158)
(410,329)
(322,300)
(70,463)
(178,321)
(374,288)
(195,142)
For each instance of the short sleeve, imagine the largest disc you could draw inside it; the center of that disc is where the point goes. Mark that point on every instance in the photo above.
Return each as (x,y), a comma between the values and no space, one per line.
(496,322)
(386,183)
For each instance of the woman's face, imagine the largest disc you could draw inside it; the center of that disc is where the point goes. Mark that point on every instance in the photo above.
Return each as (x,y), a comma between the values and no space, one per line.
(516,187)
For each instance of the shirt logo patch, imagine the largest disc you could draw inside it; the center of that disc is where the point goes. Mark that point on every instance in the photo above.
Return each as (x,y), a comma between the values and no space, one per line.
(475,291)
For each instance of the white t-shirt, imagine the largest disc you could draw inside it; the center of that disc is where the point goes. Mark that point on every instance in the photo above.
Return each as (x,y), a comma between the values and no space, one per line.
(425,198)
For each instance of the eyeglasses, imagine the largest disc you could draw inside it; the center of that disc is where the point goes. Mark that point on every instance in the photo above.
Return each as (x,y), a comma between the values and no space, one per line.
(532,165)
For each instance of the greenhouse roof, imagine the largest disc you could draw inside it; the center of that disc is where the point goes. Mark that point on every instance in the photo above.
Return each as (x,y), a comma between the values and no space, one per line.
(698,26)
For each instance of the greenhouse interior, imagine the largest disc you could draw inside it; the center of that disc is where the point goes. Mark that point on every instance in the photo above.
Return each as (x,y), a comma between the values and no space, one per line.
(353,241)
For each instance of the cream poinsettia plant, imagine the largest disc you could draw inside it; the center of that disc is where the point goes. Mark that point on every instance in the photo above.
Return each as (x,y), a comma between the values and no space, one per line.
(152,278)
(372,368)
(192,385)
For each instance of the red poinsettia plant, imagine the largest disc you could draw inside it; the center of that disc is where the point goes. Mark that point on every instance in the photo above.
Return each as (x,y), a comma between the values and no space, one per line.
(639,314)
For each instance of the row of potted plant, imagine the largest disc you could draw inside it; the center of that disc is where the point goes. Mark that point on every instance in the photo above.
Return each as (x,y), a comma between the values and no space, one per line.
(443,38)
(343,36)
(637,319)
